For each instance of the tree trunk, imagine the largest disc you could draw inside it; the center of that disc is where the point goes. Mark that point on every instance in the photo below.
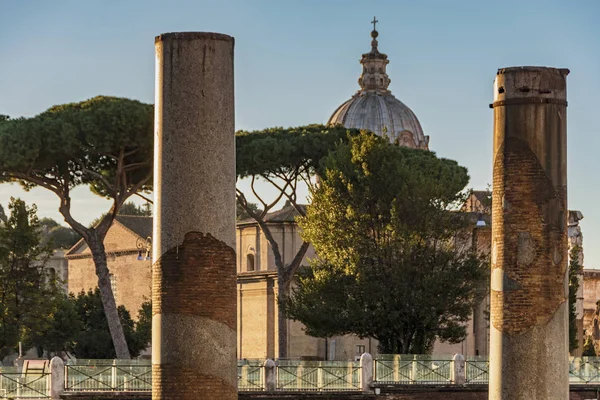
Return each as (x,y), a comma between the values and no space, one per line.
(282,292)
(108,299)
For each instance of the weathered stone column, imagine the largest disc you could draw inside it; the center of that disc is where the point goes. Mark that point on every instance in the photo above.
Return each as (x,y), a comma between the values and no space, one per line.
(194,272)
(529,287)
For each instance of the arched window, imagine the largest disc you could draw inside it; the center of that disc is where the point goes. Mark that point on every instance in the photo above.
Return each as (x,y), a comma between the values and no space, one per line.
(250,262)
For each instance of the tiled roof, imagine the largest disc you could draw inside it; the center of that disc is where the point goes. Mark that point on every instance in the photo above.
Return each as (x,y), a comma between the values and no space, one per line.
(141,226)
(287,214)
(481,195)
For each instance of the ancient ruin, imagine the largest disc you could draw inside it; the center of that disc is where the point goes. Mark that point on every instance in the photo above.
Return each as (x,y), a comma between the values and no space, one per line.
(194,272)
(529,287)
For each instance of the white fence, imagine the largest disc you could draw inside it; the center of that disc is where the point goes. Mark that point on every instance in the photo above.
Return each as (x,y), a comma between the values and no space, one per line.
(268,375)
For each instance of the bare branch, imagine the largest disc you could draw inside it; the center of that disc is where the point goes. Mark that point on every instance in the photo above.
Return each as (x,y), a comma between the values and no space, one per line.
(52,185)
(109,186)
(134,166)
(132,152)
(144,197)
(138,186)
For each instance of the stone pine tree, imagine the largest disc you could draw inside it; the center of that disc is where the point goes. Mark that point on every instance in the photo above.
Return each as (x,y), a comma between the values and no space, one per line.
(283,159)
(574,271)
(394,261)
(105,143)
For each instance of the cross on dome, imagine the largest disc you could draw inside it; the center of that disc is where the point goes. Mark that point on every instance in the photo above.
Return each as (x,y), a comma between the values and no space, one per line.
(374,22)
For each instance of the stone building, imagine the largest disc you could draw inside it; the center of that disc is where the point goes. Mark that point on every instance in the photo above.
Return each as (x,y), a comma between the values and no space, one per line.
(257,292)
(128,262)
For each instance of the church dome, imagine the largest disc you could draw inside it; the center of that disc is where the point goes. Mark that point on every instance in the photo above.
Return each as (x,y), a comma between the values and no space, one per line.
(376,109)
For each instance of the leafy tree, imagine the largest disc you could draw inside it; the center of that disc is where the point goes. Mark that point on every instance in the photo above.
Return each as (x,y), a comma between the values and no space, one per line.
(46,224)
(143,326)
(130,208)
(588,347)
(105,143)
(59,332)
(394,261)
(57,236)
(2,214)
(94,340)
(282,158)
(574,272)
(62,237)
(240,212)
(29,300)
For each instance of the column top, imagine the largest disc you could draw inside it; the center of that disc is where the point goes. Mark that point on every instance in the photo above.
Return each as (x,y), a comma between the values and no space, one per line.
(508,70)
(192,36)
(530,85)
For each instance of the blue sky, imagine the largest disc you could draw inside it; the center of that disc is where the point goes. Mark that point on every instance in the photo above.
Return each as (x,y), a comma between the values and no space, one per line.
(296,61)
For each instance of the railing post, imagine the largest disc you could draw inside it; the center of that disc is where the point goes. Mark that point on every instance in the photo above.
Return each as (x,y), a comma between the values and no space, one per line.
(366,372)
(113,375)
(458,369)
(396,367)
(270,377)
(319,377)
(57,377)
(414,373)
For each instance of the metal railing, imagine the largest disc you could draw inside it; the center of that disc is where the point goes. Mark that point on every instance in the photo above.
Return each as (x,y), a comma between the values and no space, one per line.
(251,375)
(108,376)
(413,369)
(18,385)
(476,370)
(318,375)
(584,370)
(283,375)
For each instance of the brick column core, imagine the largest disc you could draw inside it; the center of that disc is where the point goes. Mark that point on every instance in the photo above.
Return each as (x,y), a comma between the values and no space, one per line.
(529,286)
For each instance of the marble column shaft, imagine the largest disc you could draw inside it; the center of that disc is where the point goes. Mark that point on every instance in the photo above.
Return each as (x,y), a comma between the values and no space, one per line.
(529,285)
(194,271)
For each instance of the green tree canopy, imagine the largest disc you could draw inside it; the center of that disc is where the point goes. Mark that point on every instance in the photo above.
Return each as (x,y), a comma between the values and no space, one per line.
(283,159)
(394,261)
(30,300)
(57,236)
(93,340)
(105,143)
(240,212)
(575,270)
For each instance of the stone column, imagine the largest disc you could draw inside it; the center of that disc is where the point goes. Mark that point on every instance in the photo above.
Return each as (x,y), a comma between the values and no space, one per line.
(194,272)
(529,287)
